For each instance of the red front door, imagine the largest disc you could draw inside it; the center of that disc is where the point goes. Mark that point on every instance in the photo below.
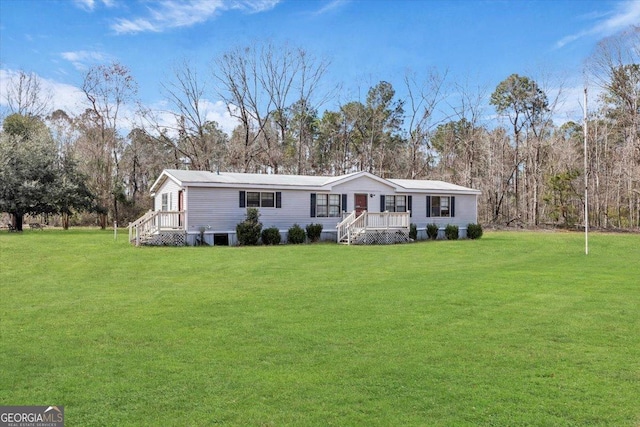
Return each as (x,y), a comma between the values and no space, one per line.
(361,203)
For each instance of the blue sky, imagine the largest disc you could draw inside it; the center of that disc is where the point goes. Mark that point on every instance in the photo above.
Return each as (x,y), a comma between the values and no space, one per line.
(478,43)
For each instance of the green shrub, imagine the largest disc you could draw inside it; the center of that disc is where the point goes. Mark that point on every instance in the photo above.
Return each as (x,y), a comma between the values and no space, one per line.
(451,232)
(413,232)
(271,236)
(314,231)
(248,231)
(432,231)
(474,231)
(295,235)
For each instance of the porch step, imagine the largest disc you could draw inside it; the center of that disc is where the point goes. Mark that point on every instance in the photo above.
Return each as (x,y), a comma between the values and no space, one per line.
(356,235)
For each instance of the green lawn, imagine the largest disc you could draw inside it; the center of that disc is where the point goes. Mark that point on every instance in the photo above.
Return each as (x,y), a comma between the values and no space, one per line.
(513,329)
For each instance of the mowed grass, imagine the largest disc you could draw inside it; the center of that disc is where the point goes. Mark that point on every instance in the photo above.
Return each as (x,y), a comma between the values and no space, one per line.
(510,330)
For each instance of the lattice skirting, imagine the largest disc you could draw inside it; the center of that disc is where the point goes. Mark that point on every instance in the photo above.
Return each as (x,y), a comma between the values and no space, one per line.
(377,237)
(166,239)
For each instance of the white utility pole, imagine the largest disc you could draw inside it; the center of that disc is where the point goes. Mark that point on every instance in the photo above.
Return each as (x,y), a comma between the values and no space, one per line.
(586,179)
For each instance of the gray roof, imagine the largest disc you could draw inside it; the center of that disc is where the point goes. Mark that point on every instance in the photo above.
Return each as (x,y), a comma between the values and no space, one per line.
(426,185)
(203,178)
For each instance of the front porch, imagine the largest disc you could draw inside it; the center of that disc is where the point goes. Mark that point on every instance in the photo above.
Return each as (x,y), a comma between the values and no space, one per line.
(159,228)
(374,228)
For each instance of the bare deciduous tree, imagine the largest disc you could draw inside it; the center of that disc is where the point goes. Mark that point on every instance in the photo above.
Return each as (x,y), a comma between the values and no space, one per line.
(26,96)
(259,84)
(614,67)
(187,127)
(422,99)
(108,88)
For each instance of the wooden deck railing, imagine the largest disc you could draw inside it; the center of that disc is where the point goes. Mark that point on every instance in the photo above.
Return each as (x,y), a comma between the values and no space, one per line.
(353,225)
(155,222)
(343,226)
(386,220)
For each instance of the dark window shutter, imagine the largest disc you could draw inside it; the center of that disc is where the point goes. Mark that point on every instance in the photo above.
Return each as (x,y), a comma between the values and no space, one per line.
(453,207)
(278,199)
(344,203)
(313,205)
(382,201)
(242,199)
(428,206)
(410,205)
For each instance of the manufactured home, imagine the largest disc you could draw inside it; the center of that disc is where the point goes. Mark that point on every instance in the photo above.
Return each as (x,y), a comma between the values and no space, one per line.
(192,207)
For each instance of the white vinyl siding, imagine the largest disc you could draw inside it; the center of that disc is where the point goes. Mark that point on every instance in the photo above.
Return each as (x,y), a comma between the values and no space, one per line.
(364,185)
(465,211)
(219,207)
(166,199)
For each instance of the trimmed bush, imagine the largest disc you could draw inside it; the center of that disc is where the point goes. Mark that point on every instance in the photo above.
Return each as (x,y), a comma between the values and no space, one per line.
(314,231)
(474,231)
(451,232)
(271,236)
(248,231)
(413,231)
(432,231)
(295,235)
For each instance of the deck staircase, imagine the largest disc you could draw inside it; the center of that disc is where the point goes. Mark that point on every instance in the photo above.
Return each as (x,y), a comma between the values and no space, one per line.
(158,228)
(370,228)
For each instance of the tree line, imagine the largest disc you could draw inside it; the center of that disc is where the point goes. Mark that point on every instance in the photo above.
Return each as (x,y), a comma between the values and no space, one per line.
(528,166)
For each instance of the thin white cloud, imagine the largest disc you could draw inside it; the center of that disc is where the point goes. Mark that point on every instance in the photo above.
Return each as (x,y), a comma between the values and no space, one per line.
(139,25)
(84,59)
(331,6)
(90,5)
(626,13)
(253,6)
(168,14)
(85,4)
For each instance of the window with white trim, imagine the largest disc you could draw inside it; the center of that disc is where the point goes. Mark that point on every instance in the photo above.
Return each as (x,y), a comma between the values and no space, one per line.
(395,203)
(257,199)
(260,199)
(166,201)
(440,206)
(328,205)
